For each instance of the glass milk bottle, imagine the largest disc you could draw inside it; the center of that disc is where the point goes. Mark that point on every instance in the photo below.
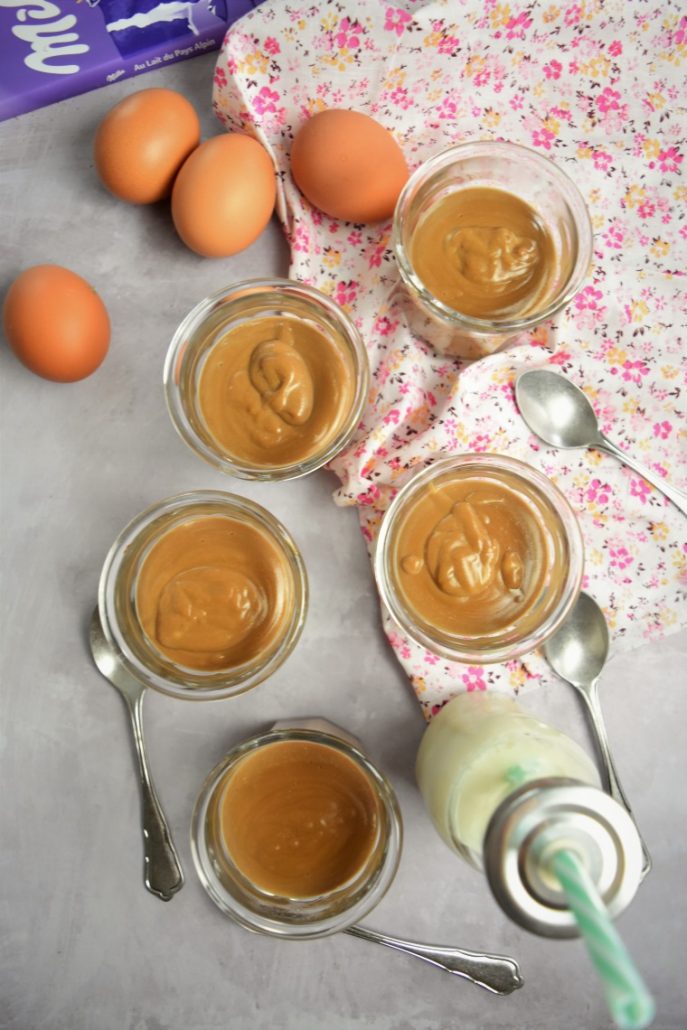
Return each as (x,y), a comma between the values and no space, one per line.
(506,791)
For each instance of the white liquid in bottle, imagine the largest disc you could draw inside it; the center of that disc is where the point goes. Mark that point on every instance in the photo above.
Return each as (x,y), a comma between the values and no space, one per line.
(479,749)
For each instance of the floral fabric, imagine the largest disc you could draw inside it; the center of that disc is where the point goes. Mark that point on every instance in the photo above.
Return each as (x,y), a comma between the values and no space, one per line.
(599,87)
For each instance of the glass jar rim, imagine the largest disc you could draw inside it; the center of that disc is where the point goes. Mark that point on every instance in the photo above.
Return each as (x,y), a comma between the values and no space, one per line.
(514,151)
(248,918)
(177,353)
(491,652)
(217,684)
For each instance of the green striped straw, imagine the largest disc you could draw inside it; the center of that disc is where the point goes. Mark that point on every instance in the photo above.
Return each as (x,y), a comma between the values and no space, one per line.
(629,1001)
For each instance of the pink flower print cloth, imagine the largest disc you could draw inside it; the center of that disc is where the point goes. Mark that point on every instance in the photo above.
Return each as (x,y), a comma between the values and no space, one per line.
(598,88)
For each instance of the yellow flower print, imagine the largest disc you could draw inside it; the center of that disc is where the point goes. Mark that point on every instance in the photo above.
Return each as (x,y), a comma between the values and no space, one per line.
(680,193)
(658,530)
(517,677)
(540,335)
(584,152)
(630,406)
(669,615)
(419,414)
(595,557)
(253,64)
(474,65)
(656,100)
(316,104)
(634,196)
(651,148)
(639,309)
(551,13)
(670,371)
(598,68)
(679,562)
(594,457)
(331,258)
(433,39)
(660,248)
(598,221)
(491,118)
(615,356)
(329,22)
(419,684)
(338,61)
(500,15)
(395,77)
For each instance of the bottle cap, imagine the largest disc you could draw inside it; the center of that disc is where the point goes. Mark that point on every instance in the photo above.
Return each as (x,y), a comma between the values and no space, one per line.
(534,822)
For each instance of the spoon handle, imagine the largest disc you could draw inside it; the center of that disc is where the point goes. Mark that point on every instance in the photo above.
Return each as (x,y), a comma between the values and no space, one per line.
(162,872)
(614,786)
(496,973)
(678,498)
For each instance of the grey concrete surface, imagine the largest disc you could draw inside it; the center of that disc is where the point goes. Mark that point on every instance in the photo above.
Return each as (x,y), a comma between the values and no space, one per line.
(83,946)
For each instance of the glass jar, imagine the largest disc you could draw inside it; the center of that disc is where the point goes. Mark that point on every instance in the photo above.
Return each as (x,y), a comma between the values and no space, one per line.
(530,177)
(479,558)
(269,908)
(232,309)
(128,629)
(475,752)
(507,792)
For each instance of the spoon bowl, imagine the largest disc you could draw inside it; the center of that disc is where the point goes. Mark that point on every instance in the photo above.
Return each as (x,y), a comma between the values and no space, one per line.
(577,652)
(579,649)
(561,415)
(556,410)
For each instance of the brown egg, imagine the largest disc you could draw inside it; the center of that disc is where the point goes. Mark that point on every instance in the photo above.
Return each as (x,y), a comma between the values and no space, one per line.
(142,143)
(349,166)
(224,195)
(56,323)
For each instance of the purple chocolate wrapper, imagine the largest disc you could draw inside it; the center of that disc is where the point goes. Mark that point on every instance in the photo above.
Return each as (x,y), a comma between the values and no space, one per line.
(53,50)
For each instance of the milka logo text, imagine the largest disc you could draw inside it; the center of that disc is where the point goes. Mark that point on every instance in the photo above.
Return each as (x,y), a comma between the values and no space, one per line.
(50,41)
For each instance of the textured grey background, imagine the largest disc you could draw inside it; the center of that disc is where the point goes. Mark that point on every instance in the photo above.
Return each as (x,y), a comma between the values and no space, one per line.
(84,947)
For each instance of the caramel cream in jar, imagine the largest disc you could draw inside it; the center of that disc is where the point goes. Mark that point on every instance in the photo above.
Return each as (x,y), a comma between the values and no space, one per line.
(485,253)
(297,819)
(479,558)
(213,593)
(274,391)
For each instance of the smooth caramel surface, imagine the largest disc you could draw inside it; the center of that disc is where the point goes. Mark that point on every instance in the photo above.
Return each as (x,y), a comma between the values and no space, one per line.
(485,253)
(298,819)
(213,593)
(275,391)
(474,555)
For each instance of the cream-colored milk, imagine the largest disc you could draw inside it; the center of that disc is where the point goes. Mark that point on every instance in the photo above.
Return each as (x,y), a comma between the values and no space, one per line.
(476,751)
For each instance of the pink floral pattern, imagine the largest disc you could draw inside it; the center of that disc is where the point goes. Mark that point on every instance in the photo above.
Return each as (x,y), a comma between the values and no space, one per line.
(598,90)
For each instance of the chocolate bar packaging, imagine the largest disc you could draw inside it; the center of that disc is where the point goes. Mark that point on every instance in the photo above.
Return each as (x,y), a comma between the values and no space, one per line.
(53,49)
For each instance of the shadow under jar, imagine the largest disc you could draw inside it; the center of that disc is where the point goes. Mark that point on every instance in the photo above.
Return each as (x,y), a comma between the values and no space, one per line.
(491,240)
(479,558)
(266,379)
(203,595)
(296,833)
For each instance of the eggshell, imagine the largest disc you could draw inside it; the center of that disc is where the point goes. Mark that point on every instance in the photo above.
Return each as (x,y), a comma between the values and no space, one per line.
(56,323)
(142,143)
(348,165)
(224,195)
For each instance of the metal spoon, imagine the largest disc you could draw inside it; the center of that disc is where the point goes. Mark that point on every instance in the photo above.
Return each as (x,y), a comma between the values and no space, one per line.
(577,652)
(162,872)
(496,973)
(560,413)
